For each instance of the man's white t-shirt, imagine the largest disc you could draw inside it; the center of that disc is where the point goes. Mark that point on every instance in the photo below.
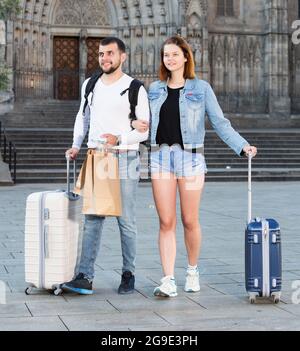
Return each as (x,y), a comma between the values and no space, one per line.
(108,113)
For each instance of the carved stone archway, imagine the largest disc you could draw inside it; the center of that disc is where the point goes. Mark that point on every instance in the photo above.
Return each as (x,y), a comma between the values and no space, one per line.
(35,31)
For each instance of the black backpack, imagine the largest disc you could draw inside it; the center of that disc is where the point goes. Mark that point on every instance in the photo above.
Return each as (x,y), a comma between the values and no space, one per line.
(133,92)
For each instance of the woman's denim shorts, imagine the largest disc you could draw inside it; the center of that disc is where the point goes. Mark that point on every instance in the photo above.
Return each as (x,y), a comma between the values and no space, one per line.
(173,159)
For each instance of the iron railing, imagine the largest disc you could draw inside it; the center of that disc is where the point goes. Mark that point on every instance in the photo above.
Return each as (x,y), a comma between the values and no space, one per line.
(9,153)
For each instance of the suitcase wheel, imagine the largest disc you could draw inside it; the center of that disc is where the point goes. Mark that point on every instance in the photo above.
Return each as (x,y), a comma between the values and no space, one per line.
(57,290)
(276,298)
(28,290)
(252,297)
(252,300)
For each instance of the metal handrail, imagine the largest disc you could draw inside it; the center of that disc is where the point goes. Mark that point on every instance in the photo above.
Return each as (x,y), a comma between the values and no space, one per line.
(12,152)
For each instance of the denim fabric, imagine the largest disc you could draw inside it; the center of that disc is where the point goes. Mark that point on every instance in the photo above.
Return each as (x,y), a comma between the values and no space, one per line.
(129,169)
(172,159)
(196,100)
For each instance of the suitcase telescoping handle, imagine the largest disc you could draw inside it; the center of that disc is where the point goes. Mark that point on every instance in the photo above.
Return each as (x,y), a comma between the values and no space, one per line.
(249,187)
(68,173)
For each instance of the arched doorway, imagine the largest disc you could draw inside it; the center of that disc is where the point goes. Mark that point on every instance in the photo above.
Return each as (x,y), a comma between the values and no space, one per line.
(56,48)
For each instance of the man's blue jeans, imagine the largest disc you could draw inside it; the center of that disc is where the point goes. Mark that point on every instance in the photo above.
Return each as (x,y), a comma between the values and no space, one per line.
(129,170)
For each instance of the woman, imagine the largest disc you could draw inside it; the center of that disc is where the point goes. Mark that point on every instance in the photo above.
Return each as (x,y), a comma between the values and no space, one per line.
(178,103)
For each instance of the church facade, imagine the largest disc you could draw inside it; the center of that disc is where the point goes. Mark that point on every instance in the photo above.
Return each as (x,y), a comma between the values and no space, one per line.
(243,48)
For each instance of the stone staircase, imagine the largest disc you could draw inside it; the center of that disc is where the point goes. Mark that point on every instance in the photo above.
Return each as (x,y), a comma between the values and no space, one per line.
(43,132)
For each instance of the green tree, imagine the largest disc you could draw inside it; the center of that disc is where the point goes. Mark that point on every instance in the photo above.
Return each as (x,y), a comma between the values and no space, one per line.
(9,9)
(4,72)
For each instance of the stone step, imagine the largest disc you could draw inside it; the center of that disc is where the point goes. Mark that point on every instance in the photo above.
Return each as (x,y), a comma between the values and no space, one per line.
(144,178)
(225,167)
(65,138)
(40,155)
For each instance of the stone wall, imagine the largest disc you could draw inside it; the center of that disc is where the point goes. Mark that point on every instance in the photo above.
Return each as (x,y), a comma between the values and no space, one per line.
(248,56)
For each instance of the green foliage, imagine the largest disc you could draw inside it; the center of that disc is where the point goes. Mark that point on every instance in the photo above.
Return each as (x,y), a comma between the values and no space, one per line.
(9,9)
(4,73)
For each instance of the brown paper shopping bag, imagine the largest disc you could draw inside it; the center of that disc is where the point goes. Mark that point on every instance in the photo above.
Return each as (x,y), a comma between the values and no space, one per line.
(99,184)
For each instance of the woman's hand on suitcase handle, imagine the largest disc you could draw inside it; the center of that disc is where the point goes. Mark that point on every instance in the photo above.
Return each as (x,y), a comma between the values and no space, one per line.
(250,150)
(72,153)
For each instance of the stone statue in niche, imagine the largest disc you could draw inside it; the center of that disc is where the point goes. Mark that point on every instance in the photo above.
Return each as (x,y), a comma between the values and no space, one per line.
(138,59)
(198,55)
(126,64)
(150,58)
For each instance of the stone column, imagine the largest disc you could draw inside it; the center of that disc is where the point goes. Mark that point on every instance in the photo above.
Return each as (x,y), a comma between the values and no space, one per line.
(82,56)
(276,57)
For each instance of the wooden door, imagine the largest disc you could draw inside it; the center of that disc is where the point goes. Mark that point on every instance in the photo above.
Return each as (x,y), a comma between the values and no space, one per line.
(66,68)
(92,56)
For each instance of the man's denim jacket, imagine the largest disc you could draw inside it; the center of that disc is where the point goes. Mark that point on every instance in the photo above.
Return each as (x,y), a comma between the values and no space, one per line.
(196,99)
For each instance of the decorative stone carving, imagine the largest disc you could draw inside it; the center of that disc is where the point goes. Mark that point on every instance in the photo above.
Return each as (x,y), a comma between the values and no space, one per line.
(198,55)
(150,12)
(150,31)
(138,59)
(138,13)
(126,64)
(138,32)
(126,33)
(43,55)
(150,58)
(34,53)
(26,51)
(163,30)
(77,12)
(125,14)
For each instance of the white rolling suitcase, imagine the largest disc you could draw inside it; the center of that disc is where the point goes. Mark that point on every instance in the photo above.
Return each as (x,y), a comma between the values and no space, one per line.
(52,244)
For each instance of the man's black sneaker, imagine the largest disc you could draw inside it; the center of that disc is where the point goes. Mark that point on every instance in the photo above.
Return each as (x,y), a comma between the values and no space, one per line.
(127,283)
(79,285)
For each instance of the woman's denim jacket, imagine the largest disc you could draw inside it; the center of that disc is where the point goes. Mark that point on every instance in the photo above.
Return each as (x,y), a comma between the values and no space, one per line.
(196,99)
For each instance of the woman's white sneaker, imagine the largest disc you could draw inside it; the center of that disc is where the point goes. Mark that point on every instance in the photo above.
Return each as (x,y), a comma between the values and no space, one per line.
(167,288)
(192,281)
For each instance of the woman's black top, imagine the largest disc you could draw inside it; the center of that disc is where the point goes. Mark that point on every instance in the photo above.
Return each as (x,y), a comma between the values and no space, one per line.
(168,130)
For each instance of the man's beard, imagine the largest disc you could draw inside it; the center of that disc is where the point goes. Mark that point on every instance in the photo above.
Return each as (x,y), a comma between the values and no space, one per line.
(112,69)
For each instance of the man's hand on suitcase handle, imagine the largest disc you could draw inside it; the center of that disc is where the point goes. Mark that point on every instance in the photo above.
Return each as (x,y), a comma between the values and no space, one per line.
(72,153)
(250,150)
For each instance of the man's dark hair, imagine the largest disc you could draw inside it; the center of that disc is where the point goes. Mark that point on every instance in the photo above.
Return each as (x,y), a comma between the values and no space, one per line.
(113,40)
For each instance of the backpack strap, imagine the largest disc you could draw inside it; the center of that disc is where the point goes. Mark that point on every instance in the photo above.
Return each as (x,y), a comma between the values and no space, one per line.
(90,87)
(133,93)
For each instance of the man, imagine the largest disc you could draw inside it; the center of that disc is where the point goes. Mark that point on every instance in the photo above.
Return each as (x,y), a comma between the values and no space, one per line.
(107,116)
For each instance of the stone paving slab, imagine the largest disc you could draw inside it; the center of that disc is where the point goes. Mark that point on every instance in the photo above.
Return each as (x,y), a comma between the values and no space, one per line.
(15,310)
(117,321)
(40,309)
(32,324)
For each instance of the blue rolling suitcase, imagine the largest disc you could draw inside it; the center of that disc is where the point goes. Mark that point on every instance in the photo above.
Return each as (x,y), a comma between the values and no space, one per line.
(263,271)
